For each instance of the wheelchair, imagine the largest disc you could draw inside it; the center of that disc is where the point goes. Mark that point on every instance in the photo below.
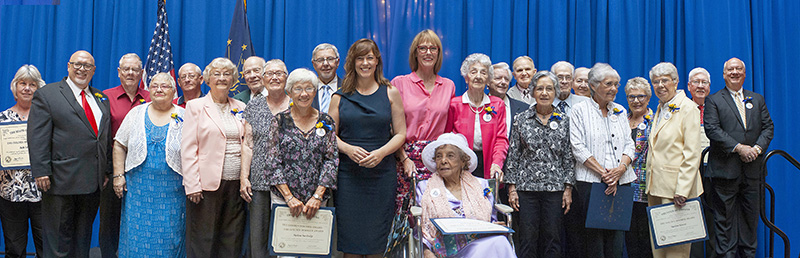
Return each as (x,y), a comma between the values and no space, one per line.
(415,247)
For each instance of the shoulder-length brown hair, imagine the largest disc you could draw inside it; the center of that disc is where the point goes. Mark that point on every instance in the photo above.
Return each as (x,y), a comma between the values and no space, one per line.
(360,48)
(425,36)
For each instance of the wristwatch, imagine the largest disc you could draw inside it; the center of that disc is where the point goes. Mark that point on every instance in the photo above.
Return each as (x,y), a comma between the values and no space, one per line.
(316,196)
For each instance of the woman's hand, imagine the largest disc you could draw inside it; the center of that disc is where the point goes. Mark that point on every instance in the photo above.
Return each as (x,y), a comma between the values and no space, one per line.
(496,172)
(612,175)
(245,190)
(372,159)
(120,186)
(409,167)
(195,197)
(566,199)
(311,208)
(513,198)
(295,206)
(356,153)
(612,189)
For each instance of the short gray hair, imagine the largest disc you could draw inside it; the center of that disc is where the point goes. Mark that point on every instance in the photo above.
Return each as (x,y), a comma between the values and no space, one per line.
(503,66)
(545,73)
(477,58)
(560,64)
(221,63)
(702,70)
(190,66)
(598,73)
(664,68)
(164,76)
(638,83)
(520,58)
(275,62)
(131,56)
(300,75)
(324,46)
(27,72)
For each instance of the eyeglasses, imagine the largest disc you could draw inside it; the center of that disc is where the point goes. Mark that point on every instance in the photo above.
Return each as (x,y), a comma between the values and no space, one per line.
(300,90)
(226,74)
(662,82)
(564,78)
(189,76)
(640,97)
(274,73)
(130,69)
(163,87)
(329,59)
(81,66)
(432,49)
(700,82)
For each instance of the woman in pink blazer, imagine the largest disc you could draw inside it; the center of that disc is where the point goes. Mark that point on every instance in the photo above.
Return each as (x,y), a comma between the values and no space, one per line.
(211,154)
(488,139)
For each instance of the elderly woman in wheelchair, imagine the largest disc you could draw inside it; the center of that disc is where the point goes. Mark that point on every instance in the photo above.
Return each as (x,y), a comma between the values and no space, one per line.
(453,192)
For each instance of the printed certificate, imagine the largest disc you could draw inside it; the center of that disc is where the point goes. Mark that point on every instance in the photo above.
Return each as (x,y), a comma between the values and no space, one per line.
(14,146)
(299,236)
(672,226)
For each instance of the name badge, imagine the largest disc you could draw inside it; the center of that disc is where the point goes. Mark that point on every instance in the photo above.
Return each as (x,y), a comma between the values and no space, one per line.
(749,105)
(320,132)
(435,192)
(642,126)
(613,118)
(487,117)
(553,125)
(667,116)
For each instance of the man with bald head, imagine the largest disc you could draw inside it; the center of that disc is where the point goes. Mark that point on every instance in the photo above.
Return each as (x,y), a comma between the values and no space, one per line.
(565,100)
(252,70)
(740,129)
(69,143)
(524,69)
(189,78)
(121,99)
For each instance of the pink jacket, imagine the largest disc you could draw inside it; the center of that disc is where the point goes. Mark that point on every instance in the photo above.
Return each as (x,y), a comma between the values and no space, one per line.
(461,119)
(203,144)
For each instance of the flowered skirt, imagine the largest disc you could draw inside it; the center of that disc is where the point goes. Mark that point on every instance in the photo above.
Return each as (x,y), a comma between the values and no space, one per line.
(401,224)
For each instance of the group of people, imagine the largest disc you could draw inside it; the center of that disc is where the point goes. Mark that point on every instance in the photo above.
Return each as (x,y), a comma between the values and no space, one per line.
(357,142)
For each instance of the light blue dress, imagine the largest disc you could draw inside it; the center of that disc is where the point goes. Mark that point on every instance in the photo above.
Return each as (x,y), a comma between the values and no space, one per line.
(154,209)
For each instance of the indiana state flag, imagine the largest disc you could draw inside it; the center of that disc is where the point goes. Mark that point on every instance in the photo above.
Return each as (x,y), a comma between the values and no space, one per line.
(239,45)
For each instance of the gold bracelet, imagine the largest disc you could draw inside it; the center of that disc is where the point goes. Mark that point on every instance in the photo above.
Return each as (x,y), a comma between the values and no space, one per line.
(120,175)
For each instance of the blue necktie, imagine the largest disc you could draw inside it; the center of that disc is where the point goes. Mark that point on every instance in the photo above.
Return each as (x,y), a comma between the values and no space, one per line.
(563,107)
(325,101)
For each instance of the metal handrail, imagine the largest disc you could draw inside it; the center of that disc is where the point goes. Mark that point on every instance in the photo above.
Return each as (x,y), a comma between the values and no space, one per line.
(770,223)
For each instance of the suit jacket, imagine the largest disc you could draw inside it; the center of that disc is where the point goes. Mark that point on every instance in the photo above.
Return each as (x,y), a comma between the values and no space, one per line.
(243,96)
(62,144)
(673,158)
(516,106)
(460,119)
(724,128)
(315,104)
(203,144)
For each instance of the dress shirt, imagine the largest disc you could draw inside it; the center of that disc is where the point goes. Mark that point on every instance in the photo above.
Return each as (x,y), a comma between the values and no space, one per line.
(90,98)
(332,87)
(665,106)
(426,112)
(477,141)
(508,116)
(571,101)
(516,93)
(121,104)
(540,157)
(604,138)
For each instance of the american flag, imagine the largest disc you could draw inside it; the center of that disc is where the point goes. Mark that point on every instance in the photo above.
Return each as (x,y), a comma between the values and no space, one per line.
(159,58)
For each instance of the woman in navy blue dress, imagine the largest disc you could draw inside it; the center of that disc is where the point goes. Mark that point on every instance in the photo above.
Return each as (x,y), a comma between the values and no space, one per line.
(369,112)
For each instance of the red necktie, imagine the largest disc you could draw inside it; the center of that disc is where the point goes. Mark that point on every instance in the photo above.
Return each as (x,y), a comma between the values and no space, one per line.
(89,114)
(702,108)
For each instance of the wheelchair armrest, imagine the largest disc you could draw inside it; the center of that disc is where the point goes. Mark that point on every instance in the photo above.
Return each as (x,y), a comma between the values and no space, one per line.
(416,211)
(505,209)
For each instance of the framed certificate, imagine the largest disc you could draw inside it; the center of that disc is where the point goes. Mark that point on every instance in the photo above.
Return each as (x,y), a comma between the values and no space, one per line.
(14,145)
(299,236)
(672,226)
(460,226)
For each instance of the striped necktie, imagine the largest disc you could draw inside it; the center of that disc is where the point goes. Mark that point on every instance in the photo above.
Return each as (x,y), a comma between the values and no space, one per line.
(740,105)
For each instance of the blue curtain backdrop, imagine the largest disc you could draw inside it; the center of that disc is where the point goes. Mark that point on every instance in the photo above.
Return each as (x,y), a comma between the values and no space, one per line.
(631,35)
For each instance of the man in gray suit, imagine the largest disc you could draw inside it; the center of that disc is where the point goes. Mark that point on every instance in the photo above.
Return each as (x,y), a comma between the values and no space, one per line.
(740,129)
(69,146)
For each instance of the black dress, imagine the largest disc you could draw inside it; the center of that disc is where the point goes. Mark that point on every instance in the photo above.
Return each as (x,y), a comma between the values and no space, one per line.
(365,196)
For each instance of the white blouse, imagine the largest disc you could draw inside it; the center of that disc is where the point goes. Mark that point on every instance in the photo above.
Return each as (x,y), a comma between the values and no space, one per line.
(131,134)
(604,138)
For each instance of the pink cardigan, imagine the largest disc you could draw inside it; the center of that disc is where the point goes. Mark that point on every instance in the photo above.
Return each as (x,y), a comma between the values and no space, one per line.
(460,119)
(203,144)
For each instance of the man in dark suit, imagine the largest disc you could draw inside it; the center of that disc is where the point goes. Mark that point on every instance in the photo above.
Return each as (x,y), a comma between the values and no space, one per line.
(740,129)
(253,72)
(325,59)
(70,152)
